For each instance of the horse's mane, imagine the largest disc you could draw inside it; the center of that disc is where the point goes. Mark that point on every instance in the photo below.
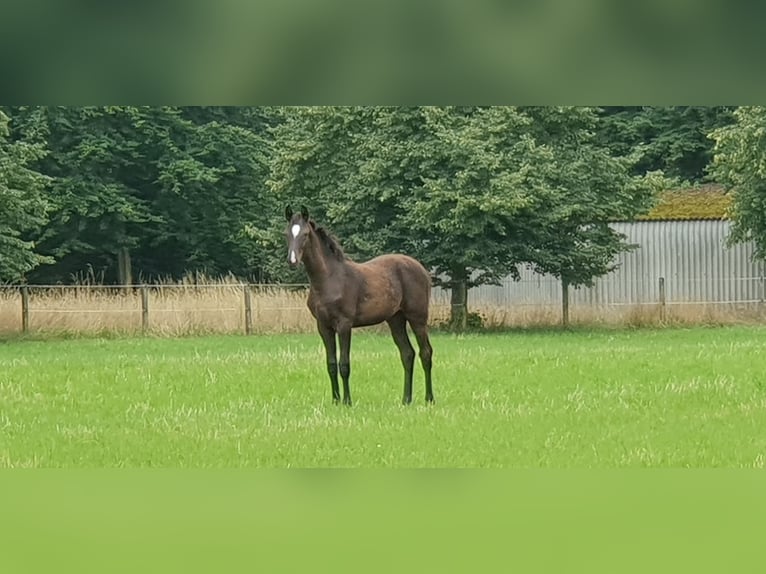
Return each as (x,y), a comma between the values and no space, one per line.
(329,241)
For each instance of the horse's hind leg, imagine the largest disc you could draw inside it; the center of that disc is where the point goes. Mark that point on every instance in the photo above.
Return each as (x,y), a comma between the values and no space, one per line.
(426,352)
(398,325)
(344,338)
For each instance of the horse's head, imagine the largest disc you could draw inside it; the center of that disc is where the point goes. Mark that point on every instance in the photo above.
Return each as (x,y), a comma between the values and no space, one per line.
(297,233)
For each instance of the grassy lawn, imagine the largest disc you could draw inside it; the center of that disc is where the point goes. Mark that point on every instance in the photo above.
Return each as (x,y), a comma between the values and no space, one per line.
(589,399)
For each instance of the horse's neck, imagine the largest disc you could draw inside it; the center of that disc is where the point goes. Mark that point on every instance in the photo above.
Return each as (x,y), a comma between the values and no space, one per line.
(319,265)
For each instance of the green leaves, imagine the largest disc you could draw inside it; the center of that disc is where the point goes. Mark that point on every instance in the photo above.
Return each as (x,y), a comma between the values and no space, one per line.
(472,192)
(740,163)
(175,186)
(584,188)
(23,208)
(673,139)
(428,181)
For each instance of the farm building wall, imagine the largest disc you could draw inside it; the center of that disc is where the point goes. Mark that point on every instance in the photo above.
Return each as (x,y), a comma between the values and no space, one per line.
(691,255)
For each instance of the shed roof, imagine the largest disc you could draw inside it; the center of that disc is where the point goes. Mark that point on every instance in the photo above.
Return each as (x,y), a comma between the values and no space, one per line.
(708,201)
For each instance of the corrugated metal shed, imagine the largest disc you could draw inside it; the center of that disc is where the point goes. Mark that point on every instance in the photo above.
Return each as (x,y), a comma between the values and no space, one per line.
(691,255)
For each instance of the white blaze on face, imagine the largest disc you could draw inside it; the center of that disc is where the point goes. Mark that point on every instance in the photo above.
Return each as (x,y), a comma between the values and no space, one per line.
(295,230)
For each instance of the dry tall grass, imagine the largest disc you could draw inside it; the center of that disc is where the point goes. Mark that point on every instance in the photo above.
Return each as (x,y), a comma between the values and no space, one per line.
(647,315)
(172,310)
(219,307)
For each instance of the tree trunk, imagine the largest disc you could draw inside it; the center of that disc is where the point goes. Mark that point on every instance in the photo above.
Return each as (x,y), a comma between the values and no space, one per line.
(124,270)
(459,302)
(564,302)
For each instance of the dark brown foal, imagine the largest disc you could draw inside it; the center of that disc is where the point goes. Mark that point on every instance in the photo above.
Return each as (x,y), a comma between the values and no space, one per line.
(344,294)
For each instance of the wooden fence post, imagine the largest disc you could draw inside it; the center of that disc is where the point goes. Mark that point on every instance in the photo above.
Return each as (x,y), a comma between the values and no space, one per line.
(663,308)
(144,308)
(24,309)
(248,311)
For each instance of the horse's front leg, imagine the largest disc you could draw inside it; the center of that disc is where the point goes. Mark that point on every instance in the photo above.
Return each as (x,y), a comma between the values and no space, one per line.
(328,338)
(344,338)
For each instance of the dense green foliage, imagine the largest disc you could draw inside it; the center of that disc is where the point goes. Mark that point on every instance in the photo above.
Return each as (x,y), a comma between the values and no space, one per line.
(23,204)
(587,187)
(671,139)
(740,164)
(471,192)
(172,187)
(125,194)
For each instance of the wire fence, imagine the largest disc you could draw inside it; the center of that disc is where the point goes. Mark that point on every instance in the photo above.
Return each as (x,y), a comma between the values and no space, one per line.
(162,309)
(542,301)
(281,308)
(683,271)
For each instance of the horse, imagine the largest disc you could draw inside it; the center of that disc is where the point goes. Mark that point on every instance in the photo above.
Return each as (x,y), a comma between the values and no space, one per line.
(344,294)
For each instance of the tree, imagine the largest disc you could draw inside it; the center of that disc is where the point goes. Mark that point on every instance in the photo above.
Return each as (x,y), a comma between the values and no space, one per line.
(440,184)
(162,190)
(471,192)
(476,195)
(671,139)
(313,162)
(740,164)
(587,188)
(235,143)
(97,213)
(23,208)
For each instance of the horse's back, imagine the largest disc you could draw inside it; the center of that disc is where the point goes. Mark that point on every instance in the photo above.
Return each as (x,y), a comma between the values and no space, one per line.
(404,267)
(404,280)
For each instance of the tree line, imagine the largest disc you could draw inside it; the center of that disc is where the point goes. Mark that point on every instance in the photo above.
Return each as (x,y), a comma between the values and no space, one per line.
(122,194)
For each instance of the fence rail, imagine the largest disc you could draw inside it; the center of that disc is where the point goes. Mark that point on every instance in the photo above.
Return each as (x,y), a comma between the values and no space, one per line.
(681,270)
(264,308)
(136,307)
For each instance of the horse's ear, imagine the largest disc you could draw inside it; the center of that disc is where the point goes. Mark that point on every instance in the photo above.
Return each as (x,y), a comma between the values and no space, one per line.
(288,213)
(304,212)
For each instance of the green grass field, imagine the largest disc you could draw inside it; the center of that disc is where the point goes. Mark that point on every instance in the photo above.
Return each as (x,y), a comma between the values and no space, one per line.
(642,398)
